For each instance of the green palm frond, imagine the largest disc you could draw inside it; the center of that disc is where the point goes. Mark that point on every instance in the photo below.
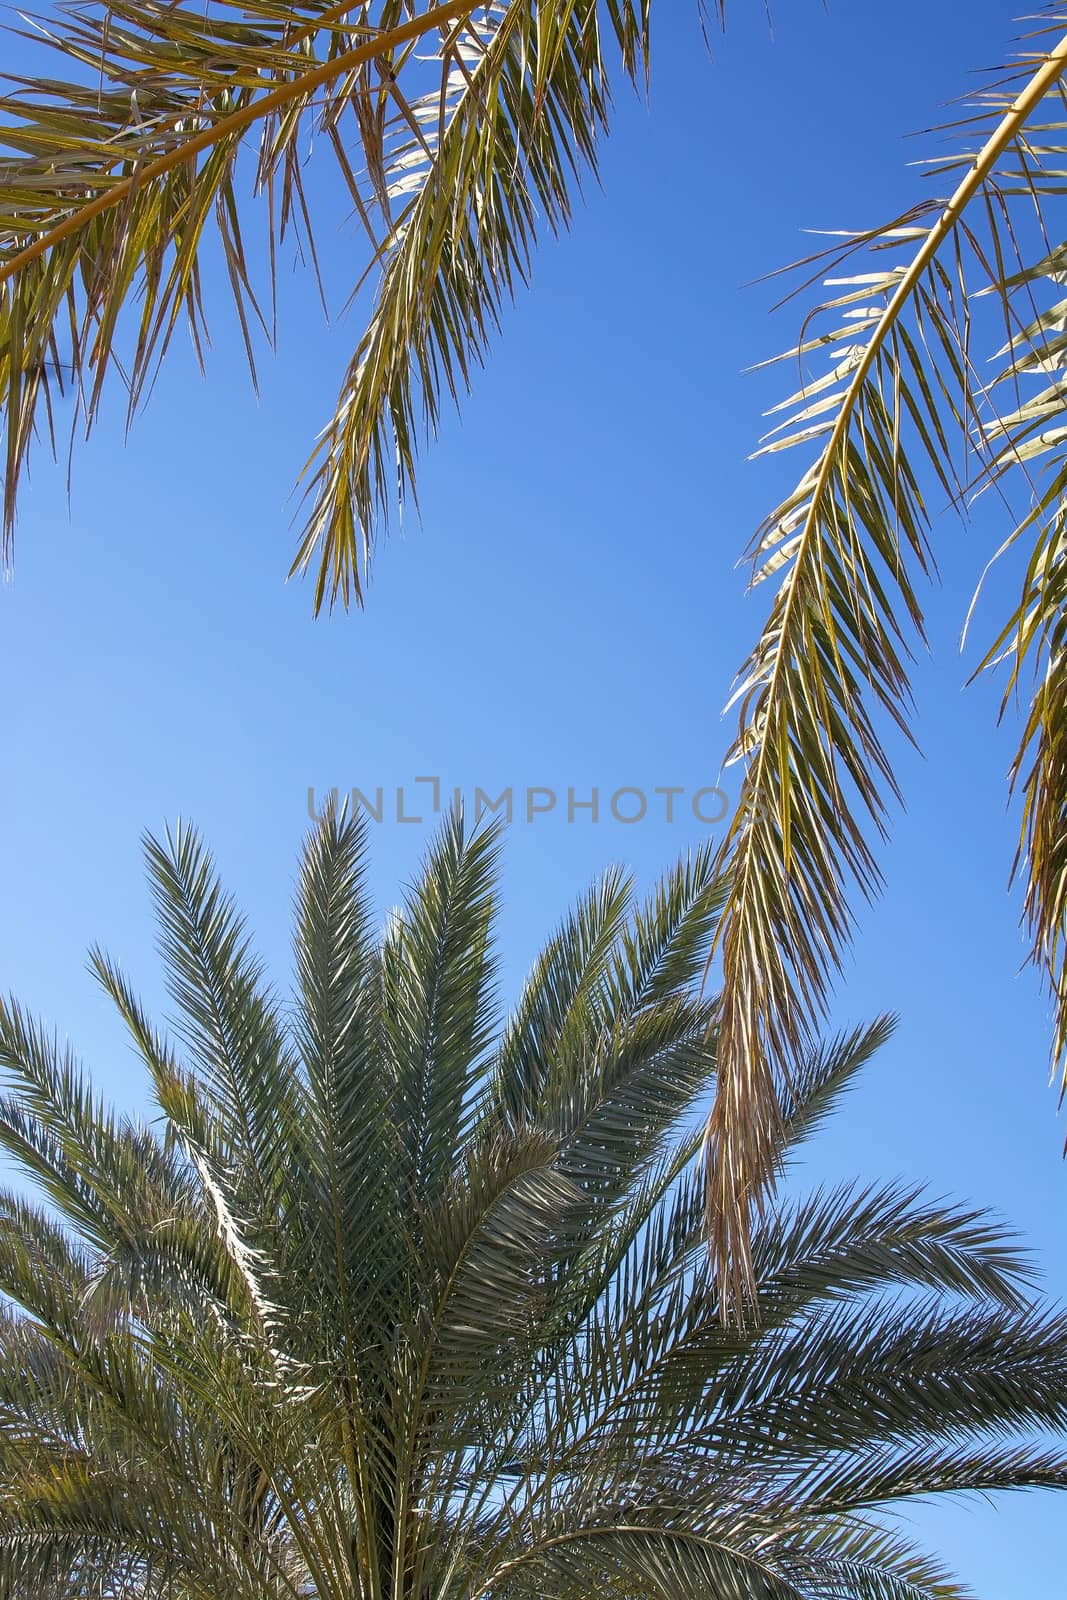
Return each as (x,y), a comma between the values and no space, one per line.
(404,1300)
(862,1236)
(895,416)
(351,1136)
(437,978)
(115,1176)
(823,1077)
(505,1208)
(557,1002)
(670,1563)
(869,1560)
(228,1022)
(459,132)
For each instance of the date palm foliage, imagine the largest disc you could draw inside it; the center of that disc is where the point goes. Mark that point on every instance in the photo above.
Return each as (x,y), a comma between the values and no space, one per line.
(458,132)
(393,1297)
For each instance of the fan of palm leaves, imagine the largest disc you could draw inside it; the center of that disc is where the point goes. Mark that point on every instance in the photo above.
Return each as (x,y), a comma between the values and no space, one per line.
(397,1299)
(458,131)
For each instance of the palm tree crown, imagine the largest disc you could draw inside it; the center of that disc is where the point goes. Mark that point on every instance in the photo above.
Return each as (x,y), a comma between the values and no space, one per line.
(399,1301)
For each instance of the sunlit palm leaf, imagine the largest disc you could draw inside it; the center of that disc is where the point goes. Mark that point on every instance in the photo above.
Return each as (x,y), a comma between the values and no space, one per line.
(459,132)
(899,416)
(487,160)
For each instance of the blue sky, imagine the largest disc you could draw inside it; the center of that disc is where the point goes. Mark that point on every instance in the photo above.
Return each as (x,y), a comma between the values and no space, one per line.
(567,613)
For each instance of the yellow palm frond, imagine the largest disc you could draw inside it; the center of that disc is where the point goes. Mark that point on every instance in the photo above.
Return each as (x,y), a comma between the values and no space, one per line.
(897,413)
(458,131)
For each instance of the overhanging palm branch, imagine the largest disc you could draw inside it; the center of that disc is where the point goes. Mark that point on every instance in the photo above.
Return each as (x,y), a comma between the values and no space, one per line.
(459,131)
(396,1299)
(891,404)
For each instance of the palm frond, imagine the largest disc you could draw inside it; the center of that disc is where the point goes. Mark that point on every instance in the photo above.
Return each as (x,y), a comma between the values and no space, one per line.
(898,415)
(662,949)
(852,1238)
(352,1248)
(110,1176)
(871,1481)
(458,131)
(863,1359)
(489,156)
(437,973)
(559,997)
(228,1021)
(670,1563)
(820,1080)
(861,1558)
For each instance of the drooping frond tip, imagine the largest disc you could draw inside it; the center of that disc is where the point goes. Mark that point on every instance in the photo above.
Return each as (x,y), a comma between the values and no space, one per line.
(898,415)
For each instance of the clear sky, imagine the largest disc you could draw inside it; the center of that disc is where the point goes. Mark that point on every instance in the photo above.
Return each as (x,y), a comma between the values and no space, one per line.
(567,613)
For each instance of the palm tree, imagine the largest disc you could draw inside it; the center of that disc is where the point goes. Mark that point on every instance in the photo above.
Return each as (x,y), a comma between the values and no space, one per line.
(394,1300)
